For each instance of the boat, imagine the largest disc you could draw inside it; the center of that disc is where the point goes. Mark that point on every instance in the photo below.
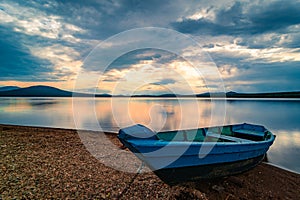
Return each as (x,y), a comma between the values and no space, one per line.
(188,155)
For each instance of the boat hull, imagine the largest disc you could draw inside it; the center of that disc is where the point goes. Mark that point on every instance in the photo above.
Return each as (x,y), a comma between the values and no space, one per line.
(189,155)
(162,155)
(173,176)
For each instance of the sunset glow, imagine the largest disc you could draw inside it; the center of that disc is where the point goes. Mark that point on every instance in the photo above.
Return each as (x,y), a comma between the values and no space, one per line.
(47,44)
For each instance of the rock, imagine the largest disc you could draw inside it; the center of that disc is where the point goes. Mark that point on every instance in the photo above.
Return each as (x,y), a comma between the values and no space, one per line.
(218,188)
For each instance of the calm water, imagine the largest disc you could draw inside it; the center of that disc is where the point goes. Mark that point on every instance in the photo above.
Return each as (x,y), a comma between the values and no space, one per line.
(282,117)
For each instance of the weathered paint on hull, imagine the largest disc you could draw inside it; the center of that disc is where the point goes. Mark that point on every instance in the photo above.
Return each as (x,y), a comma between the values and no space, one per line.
(173,176)
(188,155)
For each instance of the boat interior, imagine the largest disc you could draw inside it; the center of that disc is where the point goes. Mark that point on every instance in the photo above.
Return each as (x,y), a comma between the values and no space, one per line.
(241,133)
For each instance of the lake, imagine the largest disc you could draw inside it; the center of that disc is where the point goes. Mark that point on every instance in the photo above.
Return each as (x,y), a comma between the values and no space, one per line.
(280,116)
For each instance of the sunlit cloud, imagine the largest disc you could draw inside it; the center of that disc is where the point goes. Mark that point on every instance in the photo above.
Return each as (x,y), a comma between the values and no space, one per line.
(46,37)
(268,54)
(66,61)
(46,43)
(206,14)
(177,77)
(34,22)
(228,71)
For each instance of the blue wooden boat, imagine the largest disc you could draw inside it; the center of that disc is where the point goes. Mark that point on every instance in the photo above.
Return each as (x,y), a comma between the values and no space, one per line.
(188,155)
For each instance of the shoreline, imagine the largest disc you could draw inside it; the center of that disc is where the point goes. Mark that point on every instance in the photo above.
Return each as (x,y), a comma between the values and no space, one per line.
(280,167)
(43,162)
(115,133)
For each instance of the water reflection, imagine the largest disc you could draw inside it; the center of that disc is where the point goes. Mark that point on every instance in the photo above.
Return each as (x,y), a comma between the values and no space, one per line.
(286,150)
(21,104)
(280,117)
(275,114)
(158,114)
(36,112)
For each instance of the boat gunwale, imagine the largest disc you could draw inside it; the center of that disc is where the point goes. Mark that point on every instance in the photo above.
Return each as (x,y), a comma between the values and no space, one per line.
(220,135)
(151,142)
(211,127)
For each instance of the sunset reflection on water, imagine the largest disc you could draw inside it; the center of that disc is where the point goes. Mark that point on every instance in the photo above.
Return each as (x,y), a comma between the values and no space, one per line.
(158,114)
(282,117)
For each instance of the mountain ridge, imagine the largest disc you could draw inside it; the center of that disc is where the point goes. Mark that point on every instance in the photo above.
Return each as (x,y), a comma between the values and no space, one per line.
(48,91)
(38,91)
(8,88)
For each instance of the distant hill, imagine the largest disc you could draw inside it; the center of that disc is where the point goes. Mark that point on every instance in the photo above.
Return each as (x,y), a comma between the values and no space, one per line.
(232,94)
(264,95)
(47,91)
(8,88)
(36,91)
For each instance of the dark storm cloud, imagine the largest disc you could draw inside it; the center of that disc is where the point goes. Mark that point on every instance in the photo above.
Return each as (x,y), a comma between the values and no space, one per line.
(275,17)
(16,60)
(241,19)
(140,56)
(261,77)
(263,25)
(102,19)
(135,57)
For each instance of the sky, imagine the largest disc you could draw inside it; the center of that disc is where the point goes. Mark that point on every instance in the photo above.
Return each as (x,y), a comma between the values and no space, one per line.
(254,46)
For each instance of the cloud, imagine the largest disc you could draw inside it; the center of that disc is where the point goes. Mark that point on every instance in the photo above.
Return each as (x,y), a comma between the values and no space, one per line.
(269,55)
(144,77)
(65,60)
(102,19)
(149,55)
(166,81)
(228,71)
(17,62)
(248,73)
(275,16)
(31,21)
(37,46)
(263,78)
(48,41)
(244,19)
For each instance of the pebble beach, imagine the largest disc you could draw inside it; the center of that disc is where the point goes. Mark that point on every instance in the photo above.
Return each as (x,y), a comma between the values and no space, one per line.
(52,163)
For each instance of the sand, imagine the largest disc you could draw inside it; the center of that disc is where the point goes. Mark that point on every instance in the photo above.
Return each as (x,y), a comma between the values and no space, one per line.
(44,163)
